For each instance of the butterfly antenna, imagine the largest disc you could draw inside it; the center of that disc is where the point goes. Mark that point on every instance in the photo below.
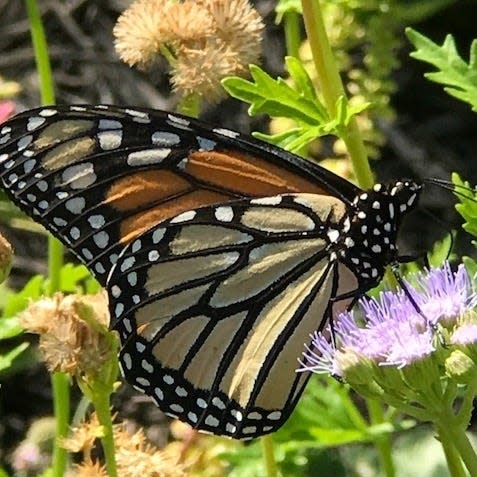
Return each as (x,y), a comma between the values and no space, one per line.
(457,189)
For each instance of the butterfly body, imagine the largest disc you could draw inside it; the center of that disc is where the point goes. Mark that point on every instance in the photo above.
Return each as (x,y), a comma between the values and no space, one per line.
(220,254)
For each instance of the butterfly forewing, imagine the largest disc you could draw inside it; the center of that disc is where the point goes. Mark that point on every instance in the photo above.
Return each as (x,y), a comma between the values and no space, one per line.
(224,299)
(98,177)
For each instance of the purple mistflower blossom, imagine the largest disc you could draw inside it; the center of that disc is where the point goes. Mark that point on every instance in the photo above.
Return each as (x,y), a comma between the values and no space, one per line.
(395,332)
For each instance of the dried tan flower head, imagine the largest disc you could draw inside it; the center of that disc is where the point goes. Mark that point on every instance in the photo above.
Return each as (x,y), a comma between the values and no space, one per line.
(239,25)
(204,40)
(136,457)
(139,31)
(90,469)
(188,21)
(199,71)
(82,438)
(73,331)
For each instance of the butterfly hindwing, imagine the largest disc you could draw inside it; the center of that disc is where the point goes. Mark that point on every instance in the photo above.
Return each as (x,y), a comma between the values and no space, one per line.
(223,300)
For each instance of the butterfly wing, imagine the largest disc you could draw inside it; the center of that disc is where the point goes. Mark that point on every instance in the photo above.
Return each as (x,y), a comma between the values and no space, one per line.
(214,306)
(98,177)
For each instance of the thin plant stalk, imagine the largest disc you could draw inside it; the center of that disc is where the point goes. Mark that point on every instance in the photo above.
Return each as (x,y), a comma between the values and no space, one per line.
(454,434)
(291,22)
(332,89)
(382,443)
(102,408)
(454,463)
(269,456)
(60,381)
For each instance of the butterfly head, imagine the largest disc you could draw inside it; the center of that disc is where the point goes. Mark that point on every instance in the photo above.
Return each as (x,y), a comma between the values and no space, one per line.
(375,219)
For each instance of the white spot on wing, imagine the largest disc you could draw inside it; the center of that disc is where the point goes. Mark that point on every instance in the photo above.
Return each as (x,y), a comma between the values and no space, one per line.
(158,235)
(273,200)
(153,255)
(75,205)
(110,139)
(101,239)
(226,132)
(79,176)
(96,221)
(206,144)
(164,138)
(211,421)
(184,217)
(48,112)
(34,123)
(148,156)
(224,213)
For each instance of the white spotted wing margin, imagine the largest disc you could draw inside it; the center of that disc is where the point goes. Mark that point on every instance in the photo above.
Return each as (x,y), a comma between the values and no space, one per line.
(214,308)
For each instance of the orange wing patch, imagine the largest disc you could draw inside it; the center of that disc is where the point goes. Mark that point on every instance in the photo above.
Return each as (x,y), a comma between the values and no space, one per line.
(139,223)
(247,175)
(150,197)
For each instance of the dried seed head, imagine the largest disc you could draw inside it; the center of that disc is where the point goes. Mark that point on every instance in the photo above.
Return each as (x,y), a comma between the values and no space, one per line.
(73,331)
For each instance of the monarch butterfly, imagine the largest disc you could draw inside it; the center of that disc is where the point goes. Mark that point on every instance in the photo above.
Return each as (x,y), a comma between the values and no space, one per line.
(220,254)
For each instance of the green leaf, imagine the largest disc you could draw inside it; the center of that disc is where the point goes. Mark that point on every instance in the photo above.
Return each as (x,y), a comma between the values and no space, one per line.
(274,97)
(76,278)
(471,266)
(302,80)
(18,302)
(6,360)
(441,251)
(467,206)
(458,77)
(10,327)
(299,102)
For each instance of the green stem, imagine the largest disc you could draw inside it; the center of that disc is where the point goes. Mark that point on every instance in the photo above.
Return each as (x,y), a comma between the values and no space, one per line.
(60,381)
(102,408)
(291,22)
(454,434)
(40,47)
(61,406)
(47,93)
(55,263)
(351,410)
(383,442)
(332,89)
(269,456)
(454,463)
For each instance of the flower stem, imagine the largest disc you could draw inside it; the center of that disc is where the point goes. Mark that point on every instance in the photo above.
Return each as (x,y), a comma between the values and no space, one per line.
(454,463)
(291,22)
(102,407)
(60,381)
(332,89)
(455,435)
(61,404)
(383,442)
(269,456)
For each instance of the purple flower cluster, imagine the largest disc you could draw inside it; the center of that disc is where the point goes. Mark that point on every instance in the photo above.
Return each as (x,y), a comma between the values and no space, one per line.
(391,330)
